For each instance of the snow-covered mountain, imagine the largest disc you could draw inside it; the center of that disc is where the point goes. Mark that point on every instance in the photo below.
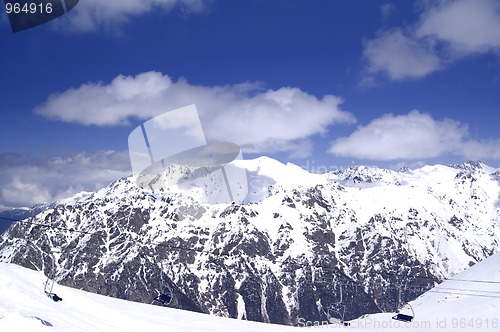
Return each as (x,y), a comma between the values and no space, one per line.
(301,245)
(8,216)
(366,176)
(468,301)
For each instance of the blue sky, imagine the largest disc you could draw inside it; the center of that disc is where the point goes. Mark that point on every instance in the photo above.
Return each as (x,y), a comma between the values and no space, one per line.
(323,84)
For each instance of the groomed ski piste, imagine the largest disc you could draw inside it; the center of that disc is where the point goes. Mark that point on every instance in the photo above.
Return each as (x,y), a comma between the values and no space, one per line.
(469,301)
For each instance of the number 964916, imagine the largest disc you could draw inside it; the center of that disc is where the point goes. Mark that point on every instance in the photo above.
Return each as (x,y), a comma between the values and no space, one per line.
(28,8)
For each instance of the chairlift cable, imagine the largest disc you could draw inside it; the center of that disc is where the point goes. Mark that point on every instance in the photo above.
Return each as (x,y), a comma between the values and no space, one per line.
(465,290)
(464,294)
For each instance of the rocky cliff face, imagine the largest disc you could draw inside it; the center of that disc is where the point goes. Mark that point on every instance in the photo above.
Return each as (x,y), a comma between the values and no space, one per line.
(300,246)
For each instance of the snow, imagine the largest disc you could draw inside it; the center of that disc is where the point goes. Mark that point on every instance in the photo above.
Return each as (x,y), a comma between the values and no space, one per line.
(76,198)
(270,171)
(434,191)
(241,306)
(23,306)
(472,293)
(468,301)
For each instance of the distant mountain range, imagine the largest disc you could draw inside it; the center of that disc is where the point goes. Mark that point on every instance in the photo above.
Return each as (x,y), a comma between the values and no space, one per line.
(301,245)
(9,216)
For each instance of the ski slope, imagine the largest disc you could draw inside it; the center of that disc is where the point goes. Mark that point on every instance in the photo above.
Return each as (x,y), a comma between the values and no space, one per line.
(24,307)
(467,302)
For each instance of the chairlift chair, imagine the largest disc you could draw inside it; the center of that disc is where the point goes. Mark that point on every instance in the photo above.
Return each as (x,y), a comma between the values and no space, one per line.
(340,311)
(165,296)
(48,286)
(405,312)
(49,283)
(406,316)
(338,308)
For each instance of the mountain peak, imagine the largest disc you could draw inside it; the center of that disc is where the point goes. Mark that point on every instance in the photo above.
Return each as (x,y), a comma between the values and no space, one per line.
(404,169)
(470,165)
(268,171)
(364,174)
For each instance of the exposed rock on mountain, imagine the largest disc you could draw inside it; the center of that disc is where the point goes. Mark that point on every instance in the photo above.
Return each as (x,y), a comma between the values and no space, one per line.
(301,245)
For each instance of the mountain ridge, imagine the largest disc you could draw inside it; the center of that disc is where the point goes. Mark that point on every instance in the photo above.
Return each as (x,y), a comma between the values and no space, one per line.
(287,251)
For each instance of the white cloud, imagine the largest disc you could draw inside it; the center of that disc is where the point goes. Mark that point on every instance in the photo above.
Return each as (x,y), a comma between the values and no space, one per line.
(467,26)
(298,149)
(411,137)
(263,121)
(444,32)
(95,15)
(27,180)
(16,191)
(411,164)
(112,104)
(481,149)
(399,56)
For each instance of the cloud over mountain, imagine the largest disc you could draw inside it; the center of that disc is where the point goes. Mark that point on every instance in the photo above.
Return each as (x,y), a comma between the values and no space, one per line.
(260,121)
(26,180)
(413,136)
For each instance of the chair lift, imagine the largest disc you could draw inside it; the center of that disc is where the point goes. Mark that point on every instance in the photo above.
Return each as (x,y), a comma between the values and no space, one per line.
(405,317)
(49,283)
(165,296)
(405,312)
(338,308)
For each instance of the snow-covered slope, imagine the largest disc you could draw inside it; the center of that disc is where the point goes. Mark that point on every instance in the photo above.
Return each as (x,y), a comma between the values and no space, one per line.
(469,301)
(472,295)
(286,252)
(24,307)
